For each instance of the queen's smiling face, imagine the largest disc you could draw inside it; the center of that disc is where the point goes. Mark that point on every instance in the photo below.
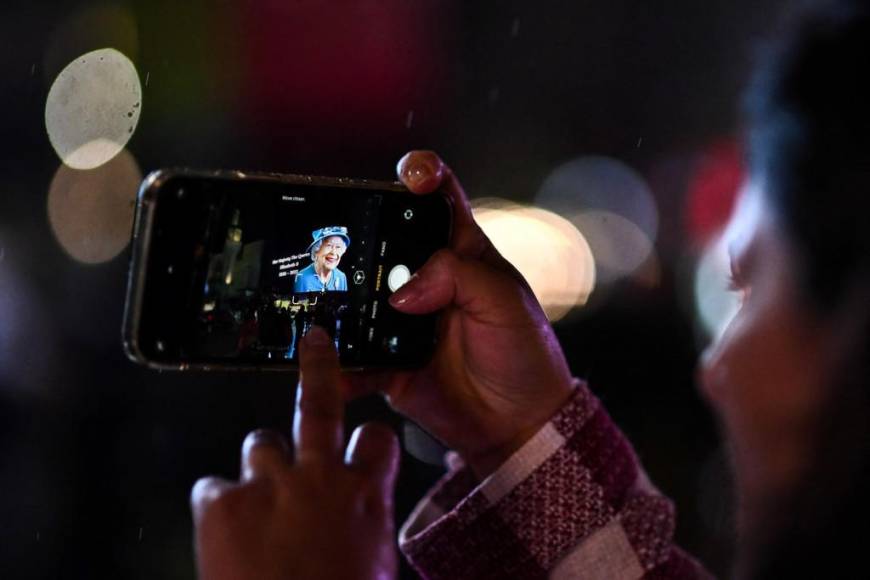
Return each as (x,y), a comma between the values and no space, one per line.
(329,254)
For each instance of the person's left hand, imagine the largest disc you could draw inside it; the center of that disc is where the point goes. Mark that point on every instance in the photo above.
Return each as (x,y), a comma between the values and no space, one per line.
(318,516)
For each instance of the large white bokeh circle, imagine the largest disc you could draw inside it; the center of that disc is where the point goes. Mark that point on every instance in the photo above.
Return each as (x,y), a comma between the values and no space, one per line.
(93,108)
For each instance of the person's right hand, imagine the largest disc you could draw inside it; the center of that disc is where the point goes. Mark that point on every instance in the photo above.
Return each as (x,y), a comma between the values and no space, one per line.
(498,372)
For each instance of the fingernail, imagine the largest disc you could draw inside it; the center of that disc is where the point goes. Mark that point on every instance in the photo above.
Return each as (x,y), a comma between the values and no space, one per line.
(409,293)
(420,170)
(261,437)
(415,173)
(317,337)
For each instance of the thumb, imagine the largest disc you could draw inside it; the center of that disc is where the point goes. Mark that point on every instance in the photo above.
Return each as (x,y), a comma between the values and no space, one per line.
(482,291)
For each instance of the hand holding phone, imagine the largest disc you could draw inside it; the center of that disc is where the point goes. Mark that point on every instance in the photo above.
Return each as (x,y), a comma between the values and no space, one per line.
(498,372)
(232,270)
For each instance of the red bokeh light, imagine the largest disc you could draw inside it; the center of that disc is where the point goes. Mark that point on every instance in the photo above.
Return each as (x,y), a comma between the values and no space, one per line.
(712,189)
(334,69)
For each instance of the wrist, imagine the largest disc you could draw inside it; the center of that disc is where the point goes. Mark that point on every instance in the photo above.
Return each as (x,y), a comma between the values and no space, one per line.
(485,462)
(486,459)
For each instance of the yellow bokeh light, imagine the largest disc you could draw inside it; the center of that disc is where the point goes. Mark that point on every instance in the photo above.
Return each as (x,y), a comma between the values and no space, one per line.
(550,253)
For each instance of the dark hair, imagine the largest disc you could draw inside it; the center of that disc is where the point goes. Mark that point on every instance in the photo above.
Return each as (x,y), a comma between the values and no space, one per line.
(808,111)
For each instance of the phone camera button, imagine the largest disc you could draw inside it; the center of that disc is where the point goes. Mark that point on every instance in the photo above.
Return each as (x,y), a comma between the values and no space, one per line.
(399,275)
(409,213)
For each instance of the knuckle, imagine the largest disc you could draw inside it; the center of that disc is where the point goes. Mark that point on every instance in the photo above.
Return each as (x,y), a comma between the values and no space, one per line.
(244,499)
(377,437)
(263,439)
(205,491)
(211,502)
(225,504)
(376,505)
(318,408)
(445,260)
(285,489)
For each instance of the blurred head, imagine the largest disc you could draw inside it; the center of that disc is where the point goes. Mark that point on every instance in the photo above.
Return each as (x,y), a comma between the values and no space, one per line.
(788,376)
(327,252)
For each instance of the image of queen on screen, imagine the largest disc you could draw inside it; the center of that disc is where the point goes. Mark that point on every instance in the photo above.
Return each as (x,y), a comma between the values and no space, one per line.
(322,275)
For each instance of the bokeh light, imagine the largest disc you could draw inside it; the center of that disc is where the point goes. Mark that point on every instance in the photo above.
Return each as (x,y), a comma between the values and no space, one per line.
(26,340)
(649,274)
(91,212)
(547,249)
(712,189)
(611,204)
(604,184)
(364,67)
(90,27)
(93,108)
(715,303)
(620,247)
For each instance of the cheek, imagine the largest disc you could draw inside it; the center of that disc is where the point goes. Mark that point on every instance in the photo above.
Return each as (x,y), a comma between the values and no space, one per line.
(725,380)
(763,375)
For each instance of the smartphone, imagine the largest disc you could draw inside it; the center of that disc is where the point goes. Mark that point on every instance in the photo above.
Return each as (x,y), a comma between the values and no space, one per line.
(230,270)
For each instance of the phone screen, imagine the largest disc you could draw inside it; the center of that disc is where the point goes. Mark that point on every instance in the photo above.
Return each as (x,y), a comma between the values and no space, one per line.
(239,270)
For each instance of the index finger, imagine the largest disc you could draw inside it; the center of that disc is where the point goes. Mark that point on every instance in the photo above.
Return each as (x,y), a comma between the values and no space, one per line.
(318,422)
(423,172)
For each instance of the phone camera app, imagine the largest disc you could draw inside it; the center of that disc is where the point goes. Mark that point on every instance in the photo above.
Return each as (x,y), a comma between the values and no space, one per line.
(276,271)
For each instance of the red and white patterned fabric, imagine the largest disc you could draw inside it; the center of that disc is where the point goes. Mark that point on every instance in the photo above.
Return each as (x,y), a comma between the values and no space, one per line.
(573,502)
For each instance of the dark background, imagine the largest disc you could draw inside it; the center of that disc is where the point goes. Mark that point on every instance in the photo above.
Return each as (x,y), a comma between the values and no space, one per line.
(97,455)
